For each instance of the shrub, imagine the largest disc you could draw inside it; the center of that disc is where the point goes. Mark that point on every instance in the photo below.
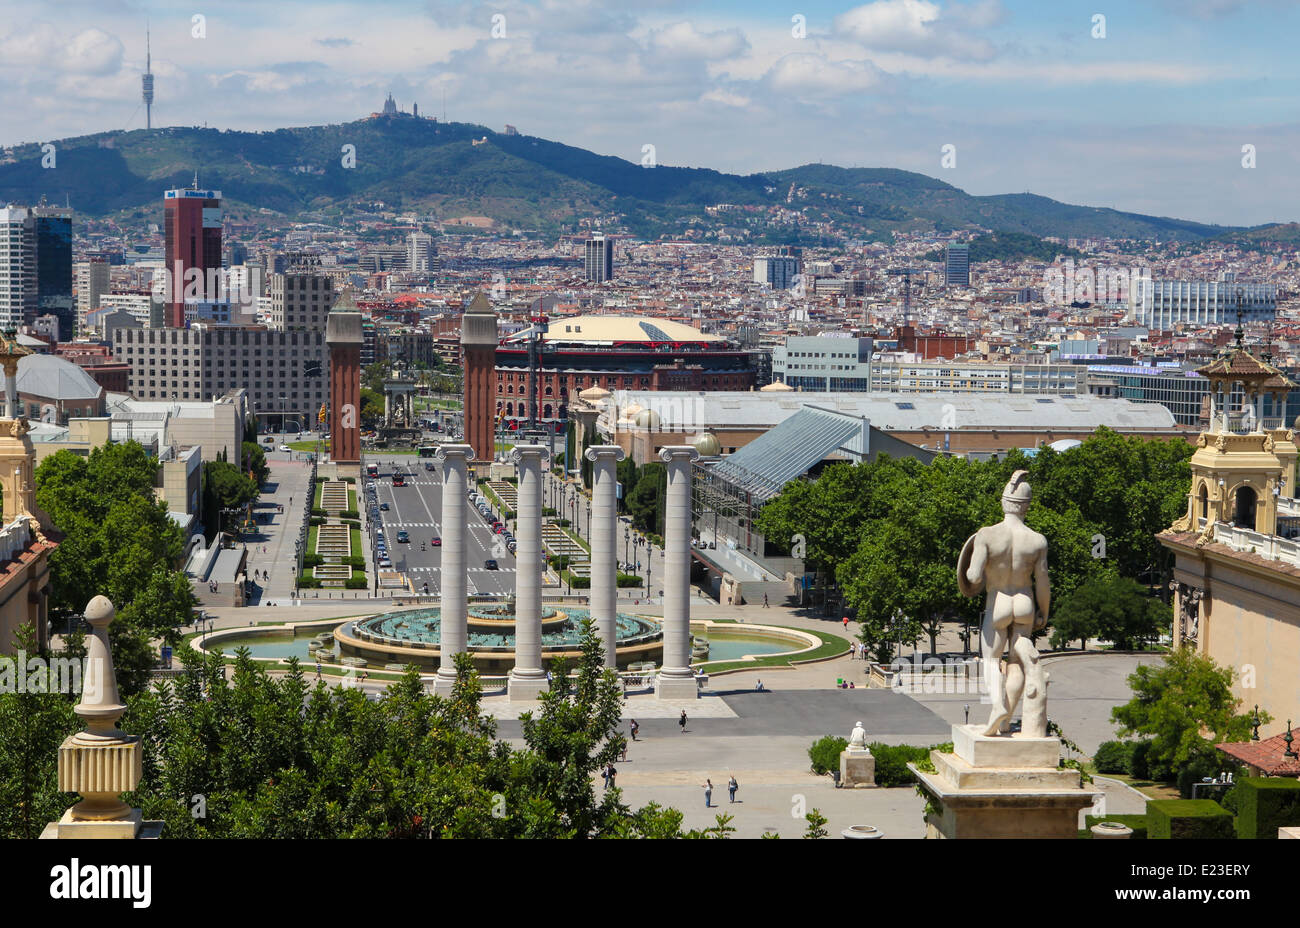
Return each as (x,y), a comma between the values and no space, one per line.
(355,560)
(1137,822)
(316,520)
(1197,769)
(317,511)
(579,583)
(628,580)
(355,583)
(1141,766)
(348,479)
(892,761)
(1188,818)
(312,560)
(1114,757)
(548,511)
(1265,804)
(308,582)
(350,514)
(825,753)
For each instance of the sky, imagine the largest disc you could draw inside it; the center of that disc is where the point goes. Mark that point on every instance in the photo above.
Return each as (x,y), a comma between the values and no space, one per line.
(1144,105)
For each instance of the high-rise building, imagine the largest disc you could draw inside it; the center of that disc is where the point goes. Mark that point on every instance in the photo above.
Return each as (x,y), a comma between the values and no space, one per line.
(91,284)
(599,265)
(421,253)
(956,270)
(53,231)
(300,300)
(192,239)
(36,266)
(777,271)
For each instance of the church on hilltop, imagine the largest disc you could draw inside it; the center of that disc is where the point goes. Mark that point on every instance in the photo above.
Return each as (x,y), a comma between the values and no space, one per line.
(390,111)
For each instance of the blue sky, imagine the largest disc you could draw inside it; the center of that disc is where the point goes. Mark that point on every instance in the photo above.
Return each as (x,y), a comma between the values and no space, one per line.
(1151,118)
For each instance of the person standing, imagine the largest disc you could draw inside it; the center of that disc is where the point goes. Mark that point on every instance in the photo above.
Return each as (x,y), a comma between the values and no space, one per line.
(635,728)
(846,623)
(708,794)
(611,772)
(732,786)
(604,775)
(681,722)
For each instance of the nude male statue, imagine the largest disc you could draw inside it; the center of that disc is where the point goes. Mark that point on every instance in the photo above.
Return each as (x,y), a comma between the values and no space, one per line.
(1005,559)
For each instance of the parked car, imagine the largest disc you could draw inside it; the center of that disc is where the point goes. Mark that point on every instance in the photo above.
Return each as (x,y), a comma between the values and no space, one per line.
(285,448)
(383,506)
(268,440)
(385,562)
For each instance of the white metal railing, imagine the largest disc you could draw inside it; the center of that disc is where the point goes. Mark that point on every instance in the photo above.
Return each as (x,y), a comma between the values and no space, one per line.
(15,537)
(1272,547)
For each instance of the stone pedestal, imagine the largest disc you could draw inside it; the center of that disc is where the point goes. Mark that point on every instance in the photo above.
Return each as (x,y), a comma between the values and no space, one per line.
(857,769)
(1002,787)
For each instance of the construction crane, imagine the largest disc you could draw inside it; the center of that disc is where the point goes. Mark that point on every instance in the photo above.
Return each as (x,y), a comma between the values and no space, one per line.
(906,273)
(534,335)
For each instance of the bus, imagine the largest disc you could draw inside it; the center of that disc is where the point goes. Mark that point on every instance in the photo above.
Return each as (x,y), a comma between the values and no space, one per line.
(399,480)
(426,451)
(372,471)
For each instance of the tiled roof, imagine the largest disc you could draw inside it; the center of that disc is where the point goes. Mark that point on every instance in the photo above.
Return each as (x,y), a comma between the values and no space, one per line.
(1268,755)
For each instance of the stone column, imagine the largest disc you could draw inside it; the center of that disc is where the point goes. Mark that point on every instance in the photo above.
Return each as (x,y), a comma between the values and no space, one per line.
(676,679)
(527,678)
(601,532)
(11,388)
(453,636)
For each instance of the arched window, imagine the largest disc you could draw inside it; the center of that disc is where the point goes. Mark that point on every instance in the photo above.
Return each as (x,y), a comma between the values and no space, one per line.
(1244,517)
(546,411)
(1204,496)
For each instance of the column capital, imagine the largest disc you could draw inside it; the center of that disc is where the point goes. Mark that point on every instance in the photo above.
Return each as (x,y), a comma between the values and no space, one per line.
(537,453)
(596,451)
(448,452)
(670,453)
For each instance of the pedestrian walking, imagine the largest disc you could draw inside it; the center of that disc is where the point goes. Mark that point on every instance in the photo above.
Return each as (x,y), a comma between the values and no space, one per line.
(612,773)
(604,775)
(732,786)
(681,722)
(846,623)
(708,794)
(318,670)
(764,600)
(635,728)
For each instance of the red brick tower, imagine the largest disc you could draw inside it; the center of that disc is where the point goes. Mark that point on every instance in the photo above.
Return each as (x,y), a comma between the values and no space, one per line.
(478,341)
(344,337)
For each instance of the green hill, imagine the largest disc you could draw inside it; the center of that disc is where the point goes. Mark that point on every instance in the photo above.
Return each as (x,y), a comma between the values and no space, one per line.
(1010,246)
(529,183)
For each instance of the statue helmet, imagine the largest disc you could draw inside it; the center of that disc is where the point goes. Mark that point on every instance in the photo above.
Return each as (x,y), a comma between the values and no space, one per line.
(1017,489)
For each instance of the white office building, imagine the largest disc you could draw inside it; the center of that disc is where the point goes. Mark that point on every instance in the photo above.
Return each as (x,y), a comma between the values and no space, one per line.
(778,272)
(421,254)
(824,363)
(1161,304)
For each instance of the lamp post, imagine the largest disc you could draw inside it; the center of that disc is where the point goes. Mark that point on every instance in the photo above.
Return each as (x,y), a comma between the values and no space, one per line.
(627,539)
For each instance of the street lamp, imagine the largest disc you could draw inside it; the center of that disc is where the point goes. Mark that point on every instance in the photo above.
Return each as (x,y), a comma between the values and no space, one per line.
(627,538)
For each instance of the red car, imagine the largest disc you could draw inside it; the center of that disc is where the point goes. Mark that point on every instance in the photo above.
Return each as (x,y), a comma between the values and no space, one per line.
(437,542)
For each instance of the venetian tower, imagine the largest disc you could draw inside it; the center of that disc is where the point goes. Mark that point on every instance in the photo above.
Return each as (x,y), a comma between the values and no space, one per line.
(478,340)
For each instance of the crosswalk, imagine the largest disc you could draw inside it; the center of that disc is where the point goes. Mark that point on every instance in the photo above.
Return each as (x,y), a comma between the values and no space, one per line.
(472,570)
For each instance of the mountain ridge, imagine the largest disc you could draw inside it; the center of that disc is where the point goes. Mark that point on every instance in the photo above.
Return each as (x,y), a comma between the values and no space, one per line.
(535,184)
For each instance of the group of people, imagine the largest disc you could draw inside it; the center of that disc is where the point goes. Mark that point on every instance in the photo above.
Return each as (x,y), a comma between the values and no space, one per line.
(732,786)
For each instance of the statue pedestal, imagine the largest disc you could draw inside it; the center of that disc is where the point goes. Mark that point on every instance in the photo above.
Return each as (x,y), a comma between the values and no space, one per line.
(1003,787)
(857,769)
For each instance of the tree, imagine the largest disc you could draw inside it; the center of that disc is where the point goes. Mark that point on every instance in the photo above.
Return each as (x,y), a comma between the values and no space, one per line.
(645,502)
(1111,608)
(32,726)
(254,459)
(372,406)
(1174,702)
(225,486)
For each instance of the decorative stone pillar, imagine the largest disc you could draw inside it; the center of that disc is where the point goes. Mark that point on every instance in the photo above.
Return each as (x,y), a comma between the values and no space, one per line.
(601,532)
(528,678)
(453,635)
(101,762)
(676,679)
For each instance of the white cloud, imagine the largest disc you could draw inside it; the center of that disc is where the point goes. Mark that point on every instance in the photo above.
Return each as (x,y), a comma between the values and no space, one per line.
(90,51)
(813,74)
(683,40)
(726,98)
(921,28)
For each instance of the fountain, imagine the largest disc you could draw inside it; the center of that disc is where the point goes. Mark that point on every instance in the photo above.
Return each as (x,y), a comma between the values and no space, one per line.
(411,637)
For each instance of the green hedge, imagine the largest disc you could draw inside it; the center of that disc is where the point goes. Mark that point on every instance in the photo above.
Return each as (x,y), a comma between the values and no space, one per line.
(308,582)
(316,520)
(1265,804)
(825,753)
(579,583)
(1114,757)
(892,761)
(350,514)
(355,560)
(348,479)
(312,560)
(355,583)
(628,580)
(317,511)
(1137,822)
(563,523)
(1188,818)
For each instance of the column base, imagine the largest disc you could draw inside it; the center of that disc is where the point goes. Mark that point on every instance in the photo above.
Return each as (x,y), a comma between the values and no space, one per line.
(443,685)
(127,827)
(525,689)
(676,688)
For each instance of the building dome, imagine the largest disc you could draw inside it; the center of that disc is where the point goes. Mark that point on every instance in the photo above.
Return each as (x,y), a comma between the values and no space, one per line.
(647,419)
(707,444)
(776,388)
(594,394)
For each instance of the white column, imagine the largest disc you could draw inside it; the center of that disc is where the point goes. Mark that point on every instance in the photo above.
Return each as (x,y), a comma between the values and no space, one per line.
(676,679)
(453,635)
(527,678)
(11,391)
(601,532)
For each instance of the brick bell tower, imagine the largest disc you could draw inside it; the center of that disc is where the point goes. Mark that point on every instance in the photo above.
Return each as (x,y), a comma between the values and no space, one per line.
(478,341)
(344,337)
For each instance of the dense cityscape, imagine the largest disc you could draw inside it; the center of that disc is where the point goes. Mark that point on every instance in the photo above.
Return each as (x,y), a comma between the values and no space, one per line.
(408,477)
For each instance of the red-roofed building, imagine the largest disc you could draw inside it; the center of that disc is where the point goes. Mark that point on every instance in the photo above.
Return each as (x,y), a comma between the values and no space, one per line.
(1267,758)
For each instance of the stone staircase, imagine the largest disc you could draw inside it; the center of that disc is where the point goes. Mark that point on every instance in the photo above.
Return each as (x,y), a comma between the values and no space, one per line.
(334,496)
